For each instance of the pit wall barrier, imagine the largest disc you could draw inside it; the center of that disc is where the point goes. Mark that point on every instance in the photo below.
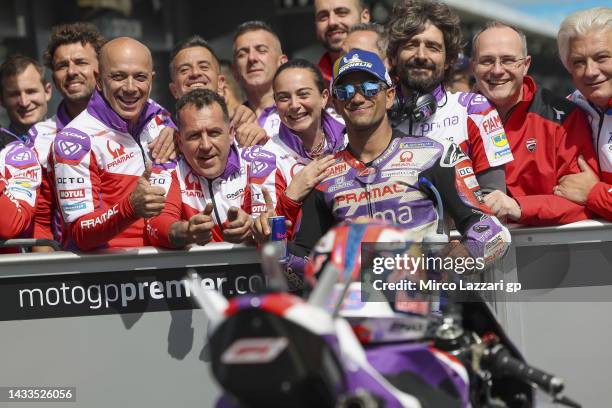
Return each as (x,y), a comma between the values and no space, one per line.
(129,336)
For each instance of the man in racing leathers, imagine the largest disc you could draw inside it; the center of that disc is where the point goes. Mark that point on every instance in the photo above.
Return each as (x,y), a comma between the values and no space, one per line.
(424,43)
(99,158)
(386,174)
(19,181)
(208,186)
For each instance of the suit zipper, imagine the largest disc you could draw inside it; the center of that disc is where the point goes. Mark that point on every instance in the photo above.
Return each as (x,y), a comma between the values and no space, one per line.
(601,121)
(370,210)
(212,198)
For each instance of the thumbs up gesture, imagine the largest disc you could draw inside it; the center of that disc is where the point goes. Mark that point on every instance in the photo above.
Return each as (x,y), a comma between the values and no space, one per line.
(237,228)
(146,200)
(199,226)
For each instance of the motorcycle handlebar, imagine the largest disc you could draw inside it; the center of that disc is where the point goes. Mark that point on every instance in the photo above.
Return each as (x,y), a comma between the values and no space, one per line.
(499,361)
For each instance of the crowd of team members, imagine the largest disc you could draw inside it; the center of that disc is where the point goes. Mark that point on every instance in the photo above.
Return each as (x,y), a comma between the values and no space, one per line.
(372,131)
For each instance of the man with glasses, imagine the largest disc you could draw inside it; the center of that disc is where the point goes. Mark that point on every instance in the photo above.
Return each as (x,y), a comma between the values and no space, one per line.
(546,132)
(387,175)
(424,44)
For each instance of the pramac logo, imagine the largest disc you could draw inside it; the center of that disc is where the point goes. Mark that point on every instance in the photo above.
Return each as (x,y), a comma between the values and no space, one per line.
(117,150)
(193,186)
(192,182)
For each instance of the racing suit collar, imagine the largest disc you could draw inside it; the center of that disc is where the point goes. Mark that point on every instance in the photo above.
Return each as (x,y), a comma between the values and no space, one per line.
(261,120)
(439,93)
(529,89)
(333,130)
(62,118)
(359,165)
(99,108)
(233,163)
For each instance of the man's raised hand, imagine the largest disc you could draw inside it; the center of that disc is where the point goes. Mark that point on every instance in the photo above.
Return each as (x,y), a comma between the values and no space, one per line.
(200,226)
(146,200)
(237,228)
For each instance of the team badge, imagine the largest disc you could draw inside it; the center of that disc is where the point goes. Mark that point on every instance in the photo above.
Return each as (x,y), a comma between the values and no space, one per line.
(531,145)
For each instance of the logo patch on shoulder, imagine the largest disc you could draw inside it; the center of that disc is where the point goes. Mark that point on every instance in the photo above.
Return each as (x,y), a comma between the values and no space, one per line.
(452,156)
(71,145)
(20,156)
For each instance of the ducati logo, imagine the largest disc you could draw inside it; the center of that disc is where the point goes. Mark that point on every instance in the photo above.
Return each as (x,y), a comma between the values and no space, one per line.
(531,145)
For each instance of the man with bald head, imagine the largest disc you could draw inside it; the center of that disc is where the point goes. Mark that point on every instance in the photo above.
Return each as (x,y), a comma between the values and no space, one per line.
(100,160)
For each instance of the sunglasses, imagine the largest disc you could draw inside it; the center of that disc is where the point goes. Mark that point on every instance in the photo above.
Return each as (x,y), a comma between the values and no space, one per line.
(368,89)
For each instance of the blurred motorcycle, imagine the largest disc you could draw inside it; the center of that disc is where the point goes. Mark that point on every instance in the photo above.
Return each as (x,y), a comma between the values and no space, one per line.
(334,350)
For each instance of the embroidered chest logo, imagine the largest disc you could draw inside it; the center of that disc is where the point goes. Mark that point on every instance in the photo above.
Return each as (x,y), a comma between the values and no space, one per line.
(192,182)
(117,150)
(531,144)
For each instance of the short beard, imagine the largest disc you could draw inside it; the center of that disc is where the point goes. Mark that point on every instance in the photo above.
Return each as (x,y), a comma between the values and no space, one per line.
(425,85)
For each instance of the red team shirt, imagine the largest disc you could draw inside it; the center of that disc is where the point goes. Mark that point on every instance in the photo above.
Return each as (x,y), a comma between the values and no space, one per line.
(187,194)
(546,133)
(600,198)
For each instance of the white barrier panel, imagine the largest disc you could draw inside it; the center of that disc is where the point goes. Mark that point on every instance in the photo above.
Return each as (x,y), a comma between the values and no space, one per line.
(120,355)
(139,344)
(564,325)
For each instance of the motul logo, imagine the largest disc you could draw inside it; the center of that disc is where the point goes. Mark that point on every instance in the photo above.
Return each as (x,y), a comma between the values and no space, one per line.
(117,151)
(78,193)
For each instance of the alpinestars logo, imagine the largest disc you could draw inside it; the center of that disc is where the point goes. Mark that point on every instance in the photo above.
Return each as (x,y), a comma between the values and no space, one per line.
(117,150)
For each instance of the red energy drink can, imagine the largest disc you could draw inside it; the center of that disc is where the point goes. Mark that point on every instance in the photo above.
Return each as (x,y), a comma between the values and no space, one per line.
(279,235)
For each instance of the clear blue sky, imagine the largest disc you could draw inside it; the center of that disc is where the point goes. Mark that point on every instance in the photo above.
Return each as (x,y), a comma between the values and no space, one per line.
(553,11)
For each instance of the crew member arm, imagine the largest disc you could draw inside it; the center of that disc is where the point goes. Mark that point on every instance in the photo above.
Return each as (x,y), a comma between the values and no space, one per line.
(19,184)
(482,234)
(158,228)
(571,139)
(600,200)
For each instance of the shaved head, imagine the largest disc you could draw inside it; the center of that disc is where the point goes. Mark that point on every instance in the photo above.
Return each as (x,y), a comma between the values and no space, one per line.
(126,76)
(124,48)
